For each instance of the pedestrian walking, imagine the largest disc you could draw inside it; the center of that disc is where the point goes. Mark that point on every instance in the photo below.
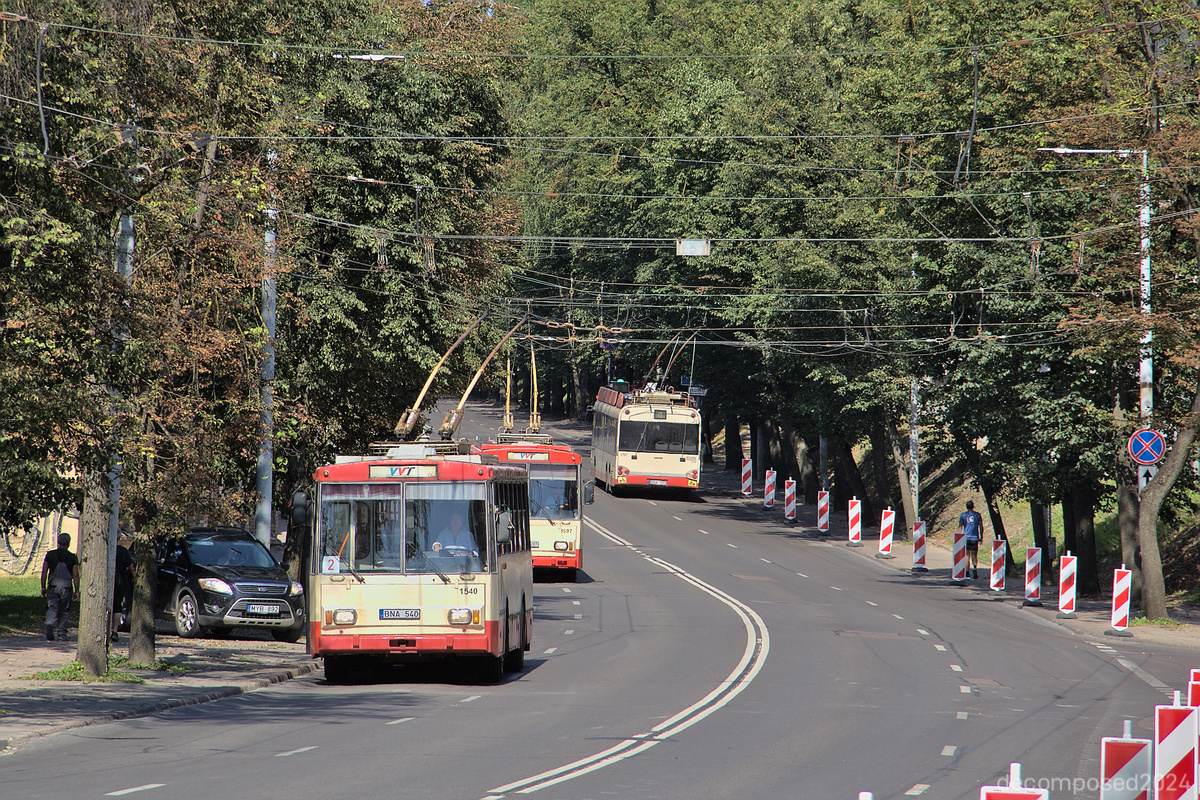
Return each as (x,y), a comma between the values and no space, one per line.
(970,524)
(60,585)
(122,583)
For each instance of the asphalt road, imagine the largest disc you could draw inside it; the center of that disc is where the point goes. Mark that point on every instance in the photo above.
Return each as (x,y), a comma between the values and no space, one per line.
(704,653)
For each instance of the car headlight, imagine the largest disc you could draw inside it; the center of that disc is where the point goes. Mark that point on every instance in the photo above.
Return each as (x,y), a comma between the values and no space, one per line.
(215,585)
(562,545)
(459,616)
(296,588)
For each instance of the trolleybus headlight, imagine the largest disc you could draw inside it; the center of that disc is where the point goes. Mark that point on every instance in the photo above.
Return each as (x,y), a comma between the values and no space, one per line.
(215,585)
(562,545)
(341,616)
(459,616)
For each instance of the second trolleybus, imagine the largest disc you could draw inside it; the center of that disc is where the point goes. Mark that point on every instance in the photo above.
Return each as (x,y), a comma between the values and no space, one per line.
(556,497)
(419,553)
(646,438)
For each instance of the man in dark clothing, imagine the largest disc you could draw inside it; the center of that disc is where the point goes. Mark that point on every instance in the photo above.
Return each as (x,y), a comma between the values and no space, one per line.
(60,585)
(122,584)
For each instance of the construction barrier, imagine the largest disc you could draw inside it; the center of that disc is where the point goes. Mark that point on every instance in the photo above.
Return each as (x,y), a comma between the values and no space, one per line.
(789,499)
(1013,790)
(919,546)
(1122,583)
(1126,767)
(1066,586)
(854,518)
(958,569)
(823,511)
(747,477)
(769,490)
(997,581)
(1175,735)
(887,526)
(1193,693)
(1033,576)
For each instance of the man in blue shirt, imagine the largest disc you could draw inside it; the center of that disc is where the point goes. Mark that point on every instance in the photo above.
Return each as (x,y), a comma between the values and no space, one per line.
(970,523)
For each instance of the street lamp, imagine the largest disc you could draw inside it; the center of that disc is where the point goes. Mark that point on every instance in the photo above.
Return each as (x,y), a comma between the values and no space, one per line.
(1146,367)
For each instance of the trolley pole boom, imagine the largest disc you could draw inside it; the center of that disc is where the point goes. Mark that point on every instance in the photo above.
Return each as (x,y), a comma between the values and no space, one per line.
(450,424)
(404,428)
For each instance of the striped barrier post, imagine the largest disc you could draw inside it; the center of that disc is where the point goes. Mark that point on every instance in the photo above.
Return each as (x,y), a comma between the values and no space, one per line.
(1194,676)
(1193,693)
(997,581)
(1126,767)
(1175,735)
(1033,576)
(919,546)
(1013,789)
(887,526)
(769,490)
(1122,583)
(747,477)
(1066,586)
(958,568)
(789,499)
(823,511)
(854,518)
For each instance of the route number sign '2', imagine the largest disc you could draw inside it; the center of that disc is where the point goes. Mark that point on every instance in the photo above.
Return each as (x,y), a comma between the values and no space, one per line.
(1146,447)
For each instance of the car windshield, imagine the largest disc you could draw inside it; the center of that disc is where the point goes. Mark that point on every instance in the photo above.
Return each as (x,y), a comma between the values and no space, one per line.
(553,493)
(228,553)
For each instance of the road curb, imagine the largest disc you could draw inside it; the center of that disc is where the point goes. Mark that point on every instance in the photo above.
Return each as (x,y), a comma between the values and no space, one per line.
(12,745)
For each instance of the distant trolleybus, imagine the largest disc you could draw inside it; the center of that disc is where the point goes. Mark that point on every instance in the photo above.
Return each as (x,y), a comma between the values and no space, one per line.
(556,497)
(420,555)
(646,438)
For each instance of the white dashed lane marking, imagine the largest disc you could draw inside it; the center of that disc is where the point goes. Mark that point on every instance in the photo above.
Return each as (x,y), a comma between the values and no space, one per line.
(141,788)
(297,751)
(940,647)
(949,750)
(965,689)
(471,698)
(962,715)
(872,604)
(922,631)
(706,533)
(734,546)
(897,616)
(398,721)
(919,789)
(956,667)
(551,650)
(677,519)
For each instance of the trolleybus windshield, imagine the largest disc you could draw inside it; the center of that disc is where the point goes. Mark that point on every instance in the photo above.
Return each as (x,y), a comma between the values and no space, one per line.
(554,492)
(659,437)
(407,528)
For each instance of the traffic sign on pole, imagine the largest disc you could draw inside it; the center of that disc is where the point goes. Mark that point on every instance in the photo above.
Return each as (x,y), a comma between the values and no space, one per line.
(1147,447)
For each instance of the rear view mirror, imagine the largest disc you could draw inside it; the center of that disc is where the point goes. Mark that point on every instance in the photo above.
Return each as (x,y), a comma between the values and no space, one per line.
(300,516)
(504,527)
(589,493)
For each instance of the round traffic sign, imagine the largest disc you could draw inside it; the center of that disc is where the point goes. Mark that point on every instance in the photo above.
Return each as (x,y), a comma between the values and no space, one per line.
(1147,447)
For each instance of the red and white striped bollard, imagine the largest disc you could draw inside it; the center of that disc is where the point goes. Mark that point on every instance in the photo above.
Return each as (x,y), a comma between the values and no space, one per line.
(747,477)
(1122,588)
(822,511)
(958,552)
(887,526)
(1175,735)
(854,520)
(769,490)
(919,546)
(789,499)
(1033,576)
(1066,586)
(997,578)
(1126,767)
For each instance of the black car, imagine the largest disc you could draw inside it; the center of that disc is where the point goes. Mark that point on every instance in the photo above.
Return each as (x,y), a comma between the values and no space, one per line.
(220,579)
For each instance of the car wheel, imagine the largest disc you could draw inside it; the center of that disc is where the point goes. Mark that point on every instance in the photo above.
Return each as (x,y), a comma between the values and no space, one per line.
(187,616)
(289,635)
(572,575)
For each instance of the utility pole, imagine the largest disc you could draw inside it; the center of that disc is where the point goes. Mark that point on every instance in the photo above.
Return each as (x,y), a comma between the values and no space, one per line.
(266,451)
(914,449)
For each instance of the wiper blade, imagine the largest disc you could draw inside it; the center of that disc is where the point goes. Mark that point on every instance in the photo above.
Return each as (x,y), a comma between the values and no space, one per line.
(445,578)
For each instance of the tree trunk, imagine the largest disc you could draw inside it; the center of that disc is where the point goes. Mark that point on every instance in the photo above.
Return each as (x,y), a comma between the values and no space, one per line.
(843,458)
(1070,540)
(141,611)
(1127,519)
(756,459)
(1154,593)
(733,443)
(1037,517)
(900,460)
(969,452)
(95,592)
(1085,538)
(879,466)
(583,395)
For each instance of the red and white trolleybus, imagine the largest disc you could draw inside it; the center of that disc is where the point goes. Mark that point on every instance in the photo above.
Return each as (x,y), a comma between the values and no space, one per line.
(556,497)
(646,438)
(420,552)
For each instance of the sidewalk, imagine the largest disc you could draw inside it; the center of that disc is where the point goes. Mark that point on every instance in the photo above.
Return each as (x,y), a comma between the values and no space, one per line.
(212,668)
(1092,615)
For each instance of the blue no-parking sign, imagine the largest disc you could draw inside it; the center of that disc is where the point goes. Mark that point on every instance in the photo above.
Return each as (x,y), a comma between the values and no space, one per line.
(1146,447)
